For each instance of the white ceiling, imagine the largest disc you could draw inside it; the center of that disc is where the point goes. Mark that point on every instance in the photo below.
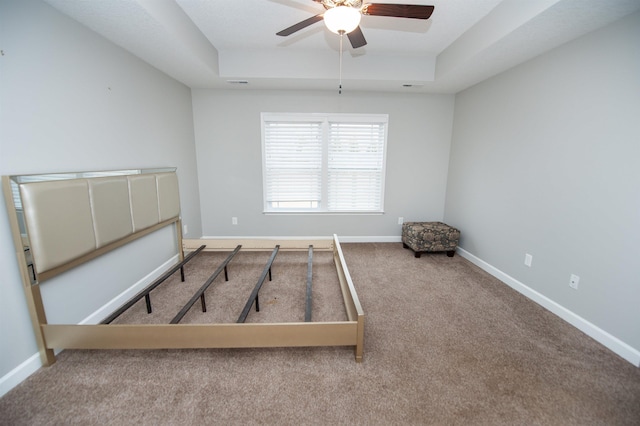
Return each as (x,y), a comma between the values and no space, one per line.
(207,43)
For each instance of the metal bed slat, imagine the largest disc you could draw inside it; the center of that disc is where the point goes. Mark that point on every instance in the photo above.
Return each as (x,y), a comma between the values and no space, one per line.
(200,293)
(254,294)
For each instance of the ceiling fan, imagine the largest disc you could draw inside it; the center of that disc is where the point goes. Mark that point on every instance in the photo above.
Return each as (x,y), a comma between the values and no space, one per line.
(343,17)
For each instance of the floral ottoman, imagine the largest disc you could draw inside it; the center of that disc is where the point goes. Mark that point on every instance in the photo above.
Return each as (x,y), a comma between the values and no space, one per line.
(424,237)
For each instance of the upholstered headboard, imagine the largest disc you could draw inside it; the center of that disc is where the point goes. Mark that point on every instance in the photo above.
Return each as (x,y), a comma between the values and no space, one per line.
(73,220)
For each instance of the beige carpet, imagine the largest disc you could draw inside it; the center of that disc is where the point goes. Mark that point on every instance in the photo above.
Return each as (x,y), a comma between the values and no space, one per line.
(445,343)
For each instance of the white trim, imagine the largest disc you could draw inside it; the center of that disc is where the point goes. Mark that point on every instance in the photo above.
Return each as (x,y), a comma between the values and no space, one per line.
(19,374)
(343,239)
(33,363)
(319,213)
(379,239)
(611,342)
(235,237)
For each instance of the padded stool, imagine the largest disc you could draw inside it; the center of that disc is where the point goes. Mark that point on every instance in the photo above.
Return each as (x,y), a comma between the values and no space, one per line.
(422,237)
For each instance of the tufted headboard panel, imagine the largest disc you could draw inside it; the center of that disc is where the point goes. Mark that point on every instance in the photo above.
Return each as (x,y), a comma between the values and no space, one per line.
(68,220)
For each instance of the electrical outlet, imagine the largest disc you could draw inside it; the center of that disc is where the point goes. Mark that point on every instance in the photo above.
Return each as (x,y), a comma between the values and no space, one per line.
(400,220)
(185,230)
(234,220)
(528,259)
(573,281)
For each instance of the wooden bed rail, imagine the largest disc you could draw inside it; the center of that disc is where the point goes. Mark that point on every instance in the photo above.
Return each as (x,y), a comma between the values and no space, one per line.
(351,300)
(308,299)
(201,336)
(260,244)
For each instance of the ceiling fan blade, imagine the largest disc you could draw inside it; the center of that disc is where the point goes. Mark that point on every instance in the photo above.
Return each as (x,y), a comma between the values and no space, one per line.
(357,38)
(300,25)
(414,11)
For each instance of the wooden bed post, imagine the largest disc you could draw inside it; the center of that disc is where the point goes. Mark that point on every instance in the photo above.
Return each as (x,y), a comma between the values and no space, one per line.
(47,356)
(32,292)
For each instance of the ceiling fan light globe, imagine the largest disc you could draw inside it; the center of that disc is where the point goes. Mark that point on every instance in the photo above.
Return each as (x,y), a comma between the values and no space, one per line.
(342,19)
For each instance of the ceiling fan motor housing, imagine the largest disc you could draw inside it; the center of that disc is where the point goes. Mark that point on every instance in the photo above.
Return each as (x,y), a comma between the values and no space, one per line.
(330,4)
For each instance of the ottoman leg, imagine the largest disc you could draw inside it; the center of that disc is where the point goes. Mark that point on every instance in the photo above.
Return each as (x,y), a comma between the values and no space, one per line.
(417,254)
(450,253)
(405,246)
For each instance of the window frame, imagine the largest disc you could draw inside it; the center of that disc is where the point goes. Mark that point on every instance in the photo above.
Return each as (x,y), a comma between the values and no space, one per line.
(324,119)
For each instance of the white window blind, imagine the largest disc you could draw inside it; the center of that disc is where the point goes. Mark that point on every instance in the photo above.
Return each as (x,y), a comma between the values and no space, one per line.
(356,166)
(324,162)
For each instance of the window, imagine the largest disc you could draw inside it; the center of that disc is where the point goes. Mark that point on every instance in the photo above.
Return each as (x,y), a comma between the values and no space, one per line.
(324,162)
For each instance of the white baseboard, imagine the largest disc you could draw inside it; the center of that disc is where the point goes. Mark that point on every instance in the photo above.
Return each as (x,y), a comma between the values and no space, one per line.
(33,363)
(342,238)
(271,237)
(16,376)
(379,239)
(611,342)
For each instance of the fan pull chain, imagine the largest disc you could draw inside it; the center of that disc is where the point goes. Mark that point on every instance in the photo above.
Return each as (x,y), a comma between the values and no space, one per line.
(340,86)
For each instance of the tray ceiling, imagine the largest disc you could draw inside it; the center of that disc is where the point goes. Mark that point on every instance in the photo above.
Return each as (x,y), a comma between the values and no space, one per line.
(216,44)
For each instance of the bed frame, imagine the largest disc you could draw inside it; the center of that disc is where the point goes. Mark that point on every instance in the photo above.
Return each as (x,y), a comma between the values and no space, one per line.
(106,210)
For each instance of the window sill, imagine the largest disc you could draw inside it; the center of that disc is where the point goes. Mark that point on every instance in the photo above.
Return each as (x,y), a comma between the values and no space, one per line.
(311,213)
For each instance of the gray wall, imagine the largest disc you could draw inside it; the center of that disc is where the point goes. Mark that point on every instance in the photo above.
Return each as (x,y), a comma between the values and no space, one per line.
(71,101)
(545,160)
(228,143)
